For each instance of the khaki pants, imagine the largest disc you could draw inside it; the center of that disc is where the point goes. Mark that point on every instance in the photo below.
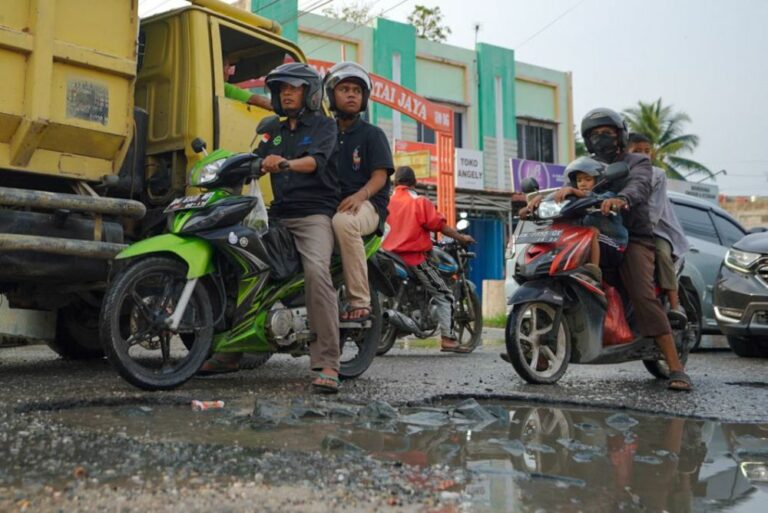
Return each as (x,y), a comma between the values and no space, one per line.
(349,230)
(314,240)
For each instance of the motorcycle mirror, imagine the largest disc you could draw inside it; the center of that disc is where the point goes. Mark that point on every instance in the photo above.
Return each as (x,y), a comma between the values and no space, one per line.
(268,124)
(616,171)
(529,185)
(462,225)
(198,145)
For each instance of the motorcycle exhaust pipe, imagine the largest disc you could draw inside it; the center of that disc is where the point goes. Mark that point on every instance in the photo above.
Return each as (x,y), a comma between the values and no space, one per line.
(403,322)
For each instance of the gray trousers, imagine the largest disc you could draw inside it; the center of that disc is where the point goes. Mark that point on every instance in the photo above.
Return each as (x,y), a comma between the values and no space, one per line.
(442,295)
(314,240)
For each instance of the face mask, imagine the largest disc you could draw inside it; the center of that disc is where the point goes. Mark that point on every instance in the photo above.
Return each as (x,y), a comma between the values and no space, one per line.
(606,146)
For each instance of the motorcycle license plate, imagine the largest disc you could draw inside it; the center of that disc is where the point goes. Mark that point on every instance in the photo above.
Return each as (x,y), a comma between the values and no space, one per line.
(188,202)
(539,237)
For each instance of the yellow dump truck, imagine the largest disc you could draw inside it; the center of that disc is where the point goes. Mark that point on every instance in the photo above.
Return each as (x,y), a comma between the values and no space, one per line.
(97,112)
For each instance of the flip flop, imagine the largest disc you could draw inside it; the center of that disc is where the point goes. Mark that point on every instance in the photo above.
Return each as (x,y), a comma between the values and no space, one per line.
(344,317)
(456,347)
(679,381)
(325,384)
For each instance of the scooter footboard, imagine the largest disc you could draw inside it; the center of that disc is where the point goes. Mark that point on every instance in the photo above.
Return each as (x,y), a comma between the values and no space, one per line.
(585,316)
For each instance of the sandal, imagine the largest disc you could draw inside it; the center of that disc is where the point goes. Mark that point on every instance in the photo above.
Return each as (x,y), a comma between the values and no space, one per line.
(325,384)
(679,381)
(220,363)
(344,317)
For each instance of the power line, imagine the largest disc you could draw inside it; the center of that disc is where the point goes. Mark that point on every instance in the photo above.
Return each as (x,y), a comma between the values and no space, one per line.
(309,9)
(339,21)
(545,27)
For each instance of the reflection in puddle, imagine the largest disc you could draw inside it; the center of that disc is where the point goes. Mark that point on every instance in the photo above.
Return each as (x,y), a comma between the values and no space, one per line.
(517,457)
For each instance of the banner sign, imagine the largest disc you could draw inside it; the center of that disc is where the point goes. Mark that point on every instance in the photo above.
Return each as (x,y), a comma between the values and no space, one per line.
(549,176)
(395,96)
(469,169)
(421,157)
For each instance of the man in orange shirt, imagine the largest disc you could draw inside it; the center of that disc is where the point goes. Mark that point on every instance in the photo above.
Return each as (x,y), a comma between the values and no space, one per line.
(412,218)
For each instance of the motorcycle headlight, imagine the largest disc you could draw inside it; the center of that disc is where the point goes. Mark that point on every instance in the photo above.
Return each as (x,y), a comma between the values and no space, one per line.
(741,260)
(550,209)
(206,174)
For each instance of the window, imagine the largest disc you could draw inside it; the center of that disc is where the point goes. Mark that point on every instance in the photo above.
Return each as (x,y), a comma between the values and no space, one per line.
(427,135)
(696,223)
(536,140)
(729,232)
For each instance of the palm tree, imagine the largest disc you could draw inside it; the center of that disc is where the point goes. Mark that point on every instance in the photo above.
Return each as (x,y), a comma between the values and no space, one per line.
(664,128)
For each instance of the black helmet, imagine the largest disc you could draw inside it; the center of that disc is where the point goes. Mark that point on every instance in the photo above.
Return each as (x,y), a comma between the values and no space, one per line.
(585,165)
(347,71)
(296,74)
(603,117)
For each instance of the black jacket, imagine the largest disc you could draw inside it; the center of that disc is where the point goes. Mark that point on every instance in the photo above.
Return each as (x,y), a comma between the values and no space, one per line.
(636,190)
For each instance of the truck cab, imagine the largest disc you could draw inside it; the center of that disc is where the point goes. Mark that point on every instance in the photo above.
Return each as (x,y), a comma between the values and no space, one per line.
(97,113)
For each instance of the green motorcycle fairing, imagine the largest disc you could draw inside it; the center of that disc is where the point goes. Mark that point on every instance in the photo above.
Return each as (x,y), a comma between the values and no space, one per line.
(255,297)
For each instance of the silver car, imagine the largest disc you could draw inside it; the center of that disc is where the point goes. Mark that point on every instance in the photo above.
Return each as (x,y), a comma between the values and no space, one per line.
(710,231)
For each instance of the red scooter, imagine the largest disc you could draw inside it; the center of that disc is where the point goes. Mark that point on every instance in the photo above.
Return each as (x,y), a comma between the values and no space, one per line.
(558,313)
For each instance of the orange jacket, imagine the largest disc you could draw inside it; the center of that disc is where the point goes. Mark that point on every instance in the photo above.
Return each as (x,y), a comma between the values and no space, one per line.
(411,219)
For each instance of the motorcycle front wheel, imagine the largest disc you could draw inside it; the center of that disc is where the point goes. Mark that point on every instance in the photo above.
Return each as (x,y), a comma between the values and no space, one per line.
(537,357)
(133,329)
(468,317)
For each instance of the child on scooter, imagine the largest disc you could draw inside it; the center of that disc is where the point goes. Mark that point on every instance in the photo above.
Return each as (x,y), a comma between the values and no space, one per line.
(610,236)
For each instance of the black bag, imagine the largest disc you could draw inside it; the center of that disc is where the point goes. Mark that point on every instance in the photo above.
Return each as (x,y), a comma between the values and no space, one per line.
(282,256)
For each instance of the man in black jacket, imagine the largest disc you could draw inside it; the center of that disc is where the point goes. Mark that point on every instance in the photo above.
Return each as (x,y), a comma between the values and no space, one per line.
(605,135)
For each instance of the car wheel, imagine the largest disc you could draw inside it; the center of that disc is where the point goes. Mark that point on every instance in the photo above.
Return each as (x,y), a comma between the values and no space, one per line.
(746,347)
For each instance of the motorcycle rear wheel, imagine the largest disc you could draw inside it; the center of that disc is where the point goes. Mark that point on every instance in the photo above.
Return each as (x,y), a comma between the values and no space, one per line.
(526,325)
(137,343)
(388,331)
(360,345)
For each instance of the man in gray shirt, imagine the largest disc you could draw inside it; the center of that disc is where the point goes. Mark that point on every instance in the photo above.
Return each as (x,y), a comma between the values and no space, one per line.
(669,238)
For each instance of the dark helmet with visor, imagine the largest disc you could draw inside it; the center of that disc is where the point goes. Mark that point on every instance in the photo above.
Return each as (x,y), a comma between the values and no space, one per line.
(344,71)
(603,117)
(296,74)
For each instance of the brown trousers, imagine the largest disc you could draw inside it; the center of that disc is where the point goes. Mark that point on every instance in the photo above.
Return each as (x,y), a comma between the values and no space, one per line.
(637,275)
(314,240)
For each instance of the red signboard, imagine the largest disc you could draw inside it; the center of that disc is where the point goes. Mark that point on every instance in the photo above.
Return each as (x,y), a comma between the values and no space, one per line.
(386,92)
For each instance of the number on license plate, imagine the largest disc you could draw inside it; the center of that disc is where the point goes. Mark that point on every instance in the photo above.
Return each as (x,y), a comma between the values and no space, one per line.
(539,237)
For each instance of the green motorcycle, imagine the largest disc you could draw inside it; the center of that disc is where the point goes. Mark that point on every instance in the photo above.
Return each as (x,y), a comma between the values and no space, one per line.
(217,283)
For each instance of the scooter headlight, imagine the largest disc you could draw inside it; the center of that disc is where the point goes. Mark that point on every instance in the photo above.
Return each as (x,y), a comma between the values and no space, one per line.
(206,174)
(550,209)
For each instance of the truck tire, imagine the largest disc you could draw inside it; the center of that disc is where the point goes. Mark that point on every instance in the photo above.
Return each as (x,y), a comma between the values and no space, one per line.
(77,332)
(746,347)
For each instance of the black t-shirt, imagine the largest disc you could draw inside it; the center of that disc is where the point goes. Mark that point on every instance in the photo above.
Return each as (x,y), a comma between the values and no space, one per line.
(362,149)
(304,194)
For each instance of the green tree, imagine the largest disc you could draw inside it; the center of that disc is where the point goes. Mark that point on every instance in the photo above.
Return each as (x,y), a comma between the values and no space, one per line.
(666,130)
(579,146)
(358,13)
(429,23)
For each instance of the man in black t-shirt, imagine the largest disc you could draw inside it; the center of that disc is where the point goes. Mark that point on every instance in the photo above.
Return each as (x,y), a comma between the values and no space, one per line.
(364,166)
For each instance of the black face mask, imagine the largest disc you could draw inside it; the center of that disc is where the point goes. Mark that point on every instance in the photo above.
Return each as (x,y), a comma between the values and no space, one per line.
(605,146)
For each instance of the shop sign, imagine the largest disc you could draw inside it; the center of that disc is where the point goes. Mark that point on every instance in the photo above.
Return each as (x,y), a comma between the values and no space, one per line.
(469,169)
(549,176)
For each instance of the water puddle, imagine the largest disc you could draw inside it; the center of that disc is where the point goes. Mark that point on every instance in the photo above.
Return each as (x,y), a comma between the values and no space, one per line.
(515,456)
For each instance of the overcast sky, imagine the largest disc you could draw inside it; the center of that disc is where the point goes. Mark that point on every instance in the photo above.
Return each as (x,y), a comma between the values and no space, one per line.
(708,58)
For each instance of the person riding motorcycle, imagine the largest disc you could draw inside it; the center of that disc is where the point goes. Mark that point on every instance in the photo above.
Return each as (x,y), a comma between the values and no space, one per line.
(299,154)
(605,135)
(412,218)
(364,166)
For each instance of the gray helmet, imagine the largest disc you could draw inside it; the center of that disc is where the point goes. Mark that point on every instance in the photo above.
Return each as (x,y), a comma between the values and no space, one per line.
(603,117)
(585,165)
(347,70)
(296,74)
